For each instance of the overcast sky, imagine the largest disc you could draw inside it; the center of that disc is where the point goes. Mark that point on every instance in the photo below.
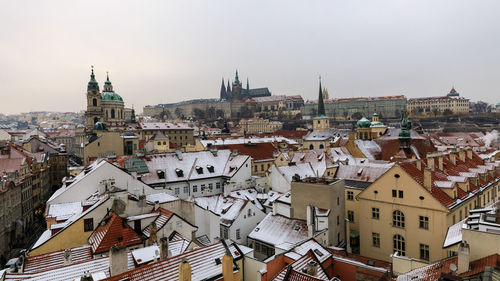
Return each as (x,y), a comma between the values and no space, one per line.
(168,51)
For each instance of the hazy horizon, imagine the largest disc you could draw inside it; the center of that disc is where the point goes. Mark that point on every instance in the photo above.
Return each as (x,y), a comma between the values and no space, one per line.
(166,51)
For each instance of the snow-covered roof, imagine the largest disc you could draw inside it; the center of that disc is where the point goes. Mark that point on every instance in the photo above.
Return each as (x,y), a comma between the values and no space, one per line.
(64,209)
(162,197)
(321,253)
(146,254)
(226,207)
(454,234)
(304,170)
(277,230)
(369,148)
(205,143)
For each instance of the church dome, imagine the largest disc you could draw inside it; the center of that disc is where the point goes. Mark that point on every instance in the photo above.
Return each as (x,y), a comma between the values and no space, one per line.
(110,96)
(364,123)
(99,126)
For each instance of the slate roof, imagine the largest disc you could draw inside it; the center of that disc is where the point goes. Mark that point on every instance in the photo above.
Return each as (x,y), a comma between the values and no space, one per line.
(113,230)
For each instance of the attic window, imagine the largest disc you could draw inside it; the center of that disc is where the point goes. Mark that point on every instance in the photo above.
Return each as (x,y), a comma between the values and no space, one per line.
(421,197)
(257,229)
(397,176)
(287,195)
(231,168)
(217,261)
(360,171)
(371,263)
(210,168)
(296,228)
(161,174)
(199,170)
(179,172)
(318,252)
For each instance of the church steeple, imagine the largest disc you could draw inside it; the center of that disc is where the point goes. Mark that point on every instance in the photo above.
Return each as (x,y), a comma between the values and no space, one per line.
(321,104)
(248,86)
(92,85)
(107,85)
(223,95)
(236,78)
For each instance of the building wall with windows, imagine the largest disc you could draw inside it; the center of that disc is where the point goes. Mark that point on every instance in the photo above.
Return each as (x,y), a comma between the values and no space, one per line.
(430,106)
(344,108)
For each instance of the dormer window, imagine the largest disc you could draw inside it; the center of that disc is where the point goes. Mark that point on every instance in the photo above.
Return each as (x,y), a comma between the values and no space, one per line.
(210,169)
(199,170)
(161,174)
(179,172)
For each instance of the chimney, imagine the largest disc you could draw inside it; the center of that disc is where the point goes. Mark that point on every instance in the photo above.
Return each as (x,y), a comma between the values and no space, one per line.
(469,153)
(184,271)
(419,164)
(67,257)
(227,267)
(428,179)
(152,234)
(142,200)
(164,252)
(440,162)
(351,137)
(461,155)
(312,268)
(275,212)
(86,276)
(430,163)
(118,262)
(453,158)
(310,220)
(157,205)
(463,258)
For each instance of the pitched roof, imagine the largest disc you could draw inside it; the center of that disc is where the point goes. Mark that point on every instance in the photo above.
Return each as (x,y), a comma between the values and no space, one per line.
(258,151)
(280,231)
(55,259)
(113,230)
(297,267)
(160,221)
(202,260)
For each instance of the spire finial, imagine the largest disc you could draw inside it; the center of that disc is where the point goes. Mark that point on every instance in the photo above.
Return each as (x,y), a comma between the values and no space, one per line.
(321,104)
(107,75)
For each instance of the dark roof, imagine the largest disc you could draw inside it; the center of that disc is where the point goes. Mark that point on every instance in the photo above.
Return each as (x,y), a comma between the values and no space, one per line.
(357,184)
(258,151)
(258,92)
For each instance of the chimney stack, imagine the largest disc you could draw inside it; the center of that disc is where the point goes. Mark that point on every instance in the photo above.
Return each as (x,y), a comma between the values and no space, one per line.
(67,257)
(461,155)
(430,163)
(463,258)
(227,267)
(440,162)
(184,271)
(142,200)
(419,164)
(86,276)
(428,179)
(312,268)
(117,260)
(164,252)
(453,158)
(152,234)
(469,153)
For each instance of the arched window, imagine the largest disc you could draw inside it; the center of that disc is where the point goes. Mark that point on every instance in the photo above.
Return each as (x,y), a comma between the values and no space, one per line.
(106,114)
(311,146)
(112,113)
(399,245)
(398,219)
(94,102)
(95,120)
(321,146)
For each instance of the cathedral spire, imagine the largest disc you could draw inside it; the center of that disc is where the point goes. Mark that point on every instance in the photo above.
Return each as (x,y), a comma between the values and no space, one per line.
(223,95)
(321,104)
(248,86)
(236,78)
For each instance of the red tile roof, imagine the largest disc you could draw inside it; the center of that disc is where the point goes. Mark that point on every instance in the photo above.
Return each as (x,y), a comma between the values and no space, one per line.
(113,230)
(55,259)
(258,151)
(160,221)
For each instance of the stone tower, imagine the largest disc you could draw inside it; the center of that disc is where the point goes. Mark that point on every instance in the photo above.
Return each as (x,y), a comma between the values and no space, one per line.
(321,122)
(94,108)
(236,87)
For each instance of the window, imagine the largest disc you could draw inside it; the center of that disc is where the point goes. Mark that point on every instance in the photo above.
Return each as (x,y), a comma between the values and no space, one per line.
(350,215)
(262,167)
(238,234)
(88,224)
(186,189)
(350,195)
(424,252)
(195,188)
(399,245)
(223,232)
(217,185)
(112,113)
(376,239)
(94,102)
(177,191)
(398,219)
(311,146)
(400,193)
(338,220)
(394,193)
(375,213)
(210,186)
(203,186)
(255,168)
(423,222)
(338,201)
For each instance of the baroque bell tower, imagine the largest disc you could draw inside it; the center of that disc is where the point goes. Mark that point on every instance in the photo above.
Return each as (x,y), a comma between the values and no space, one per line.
(94,109)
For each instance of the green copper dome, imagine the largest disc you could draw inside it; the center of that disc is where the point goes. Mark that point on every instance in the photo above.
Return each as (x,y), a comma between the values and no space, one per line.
(111,96)
(364,123)
(99,126)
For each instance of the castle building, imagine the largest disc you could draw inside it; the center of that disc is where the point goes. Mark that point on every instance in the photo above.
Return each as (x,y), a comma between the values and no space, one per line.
(107,107)
(238,92)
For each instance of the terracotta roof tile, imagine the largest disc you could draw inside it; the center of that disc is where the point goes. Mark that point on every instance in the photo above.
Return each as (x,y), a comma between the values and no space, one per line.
(113,231)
